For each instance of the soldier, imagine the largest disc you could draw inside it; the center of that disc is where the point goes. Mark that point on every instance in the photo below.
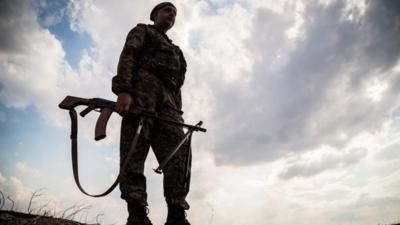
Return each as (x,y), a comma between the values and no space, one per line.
(151,71)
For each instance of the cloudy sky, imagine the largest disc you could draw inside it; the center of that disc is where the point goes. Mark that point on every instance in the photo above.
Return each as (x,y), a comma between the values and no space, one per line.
(300,99)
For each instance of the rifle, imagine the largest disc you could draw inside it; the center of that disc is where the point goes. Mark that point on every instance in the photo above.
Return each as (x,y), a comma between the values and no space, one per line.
(106,108)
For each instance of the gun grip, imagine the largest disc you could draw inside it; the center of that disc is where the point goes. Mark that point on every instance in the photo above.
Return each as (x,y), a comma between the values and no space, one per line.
(87,110)
(101,124)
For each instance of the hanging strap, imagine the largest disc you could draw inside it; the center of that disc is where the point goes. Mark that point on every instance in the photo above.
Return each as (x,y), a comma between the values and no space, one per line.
(186,178)
(74,152)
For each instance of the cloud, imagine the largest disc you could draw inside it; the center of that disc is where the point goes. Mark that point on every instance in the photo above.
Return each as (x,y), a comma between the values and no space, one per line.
(312,90)
(320,161)
(390,151)
(367,206)
(110,34)
(34,71)
(12,187)
(31,61)
(56,199)
(366,200)
(2,179)
(27,170)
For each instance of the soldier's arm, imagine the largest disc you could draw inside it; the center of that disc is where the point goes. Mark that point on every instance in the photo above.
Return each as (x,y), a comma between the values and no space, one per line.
(127,64)
(183,72)
(179,99)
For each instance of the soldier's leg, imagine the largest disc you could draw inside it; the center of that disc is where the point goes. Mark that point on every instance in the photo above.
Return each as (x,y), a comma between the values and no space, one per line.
(133,187)
(133,184)
(164,139)
(132,180)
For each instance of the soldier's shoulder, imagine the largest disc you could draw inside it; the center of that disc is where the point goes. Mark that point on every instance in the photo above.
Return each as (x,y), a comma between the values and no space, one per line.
(139,28)
(178,48)
(142,25)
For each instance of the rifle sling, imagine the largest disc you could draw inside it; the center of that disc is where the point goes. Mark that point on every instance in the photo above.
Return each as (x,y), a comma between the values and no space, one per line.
(74,152)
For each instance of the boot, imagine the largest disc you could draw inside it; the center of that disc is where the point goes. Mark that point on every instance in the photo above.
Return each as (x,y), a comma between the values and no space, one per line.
(176,216)
(138,215)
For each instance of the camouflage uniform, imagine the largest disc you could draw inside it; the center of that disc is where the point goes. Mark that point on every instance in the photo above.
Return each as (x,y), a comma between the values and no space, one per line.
(152,69)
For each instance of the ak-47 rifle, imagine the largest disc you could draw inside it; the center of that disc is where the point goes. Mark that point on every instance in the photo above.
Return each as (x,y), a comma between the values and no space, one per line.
(106,108)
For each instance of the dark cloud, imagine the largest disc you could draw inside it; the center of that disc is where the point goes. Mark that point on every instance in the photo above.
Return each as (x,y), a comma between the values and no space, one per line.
(15,22)
(310,91)
(382,25)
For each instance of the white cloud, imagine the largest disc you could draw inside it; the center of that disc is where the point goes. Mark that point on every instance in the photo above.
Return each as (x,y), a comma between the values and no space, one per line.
(322,160)
(27,170)
(31,61)
(2,179)
(390,151)
(56,201)
(13,188)
(34,70)
(109,35)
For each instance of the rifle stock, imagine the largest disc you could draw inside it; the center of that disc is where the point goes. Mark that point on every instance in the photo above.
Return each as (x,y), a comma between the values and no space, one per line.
(105,106)
(71,102)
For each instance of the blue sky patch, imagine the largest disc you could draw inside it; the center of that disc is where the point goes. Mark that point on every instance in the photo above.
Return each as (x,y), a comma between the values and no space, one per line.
(25,137)
(53,15)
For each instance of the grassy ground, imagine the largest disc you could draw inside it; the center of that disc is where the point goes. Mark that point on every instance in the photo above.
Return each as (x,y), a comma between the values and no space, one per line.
(18,218)
(42,214)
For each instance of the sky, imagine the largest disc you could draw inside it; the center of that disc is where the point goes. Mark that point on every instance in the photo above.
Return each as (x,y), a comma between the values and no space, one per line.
(300,100)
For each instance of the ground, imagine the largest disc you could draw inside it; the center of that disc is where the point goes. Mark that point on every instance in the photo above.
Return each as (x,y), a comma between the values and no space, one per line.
(18,218)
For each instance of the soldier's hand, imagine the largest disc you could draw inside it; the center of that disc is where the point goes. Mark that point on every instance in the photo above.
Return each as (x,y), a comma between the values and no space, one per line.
(124,101)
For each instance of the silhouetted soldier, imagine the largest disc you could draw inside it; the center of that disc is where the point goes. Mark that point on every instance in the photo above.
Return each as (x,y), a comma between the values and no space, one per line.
(151,71)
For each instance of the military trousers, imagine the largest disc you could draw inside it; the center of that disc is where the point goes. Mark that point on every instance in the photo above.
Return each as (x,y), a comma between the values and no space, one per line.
(152,94)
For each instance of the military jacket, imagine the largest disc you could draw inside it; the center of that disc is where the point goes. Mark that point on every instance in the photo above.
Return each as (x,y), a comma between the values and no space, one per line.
(148,48)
